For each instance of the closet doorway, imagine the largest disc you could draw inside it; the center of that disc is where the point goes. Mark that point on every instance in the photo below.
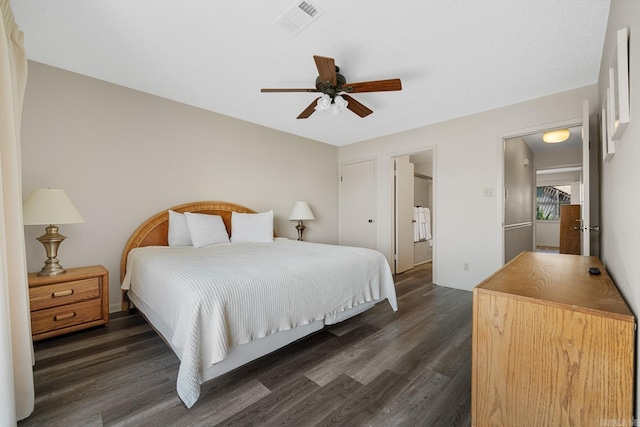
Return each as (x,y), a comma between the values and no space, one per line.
(413,210)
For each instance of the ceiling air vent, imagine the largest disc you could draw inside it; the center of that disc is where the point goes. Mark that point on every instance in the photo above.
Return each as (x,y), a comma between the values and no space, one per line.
(299,16)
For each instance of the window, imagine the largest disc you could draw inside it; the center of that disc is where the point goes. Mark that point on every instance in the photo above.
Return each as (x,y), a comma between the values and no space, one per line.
(548,201)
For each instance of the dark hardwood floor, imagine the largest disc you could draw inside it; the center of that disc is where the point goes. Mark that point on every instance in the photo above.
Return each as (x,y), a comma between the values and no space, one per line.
(409,368)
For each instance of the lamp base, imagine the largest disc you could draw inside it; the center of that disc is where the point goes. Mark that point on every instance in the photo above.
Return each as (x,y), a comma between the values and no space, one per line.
(52,269)
(300,227)
(51,241)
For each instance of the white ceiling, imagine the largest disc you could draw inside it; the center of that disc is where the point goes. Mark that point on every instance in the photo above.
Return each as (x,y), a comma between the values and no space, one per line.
(455,57)
(535,142)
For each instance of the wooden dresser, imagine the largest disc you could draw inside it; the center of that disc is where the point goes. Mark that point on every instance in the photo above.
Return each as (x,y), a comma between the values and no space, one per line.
(552,345)
(71,301)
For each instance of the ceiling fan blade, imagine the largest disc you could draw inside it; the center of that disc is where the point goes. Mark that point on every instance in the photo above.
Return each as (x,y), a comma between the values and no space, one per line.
(289,90)
(357,107)
(309,110)
(326,69)
(373,86)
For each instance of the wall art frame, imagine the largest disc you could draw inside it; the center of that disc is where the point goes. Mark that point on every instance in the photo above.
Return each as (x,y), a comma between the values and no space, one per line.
(608,145)
(619,85)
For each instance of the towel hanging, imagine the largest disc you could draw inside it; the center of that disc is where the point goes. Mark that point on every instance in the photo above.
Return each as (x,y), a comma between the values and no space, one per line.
(421,224)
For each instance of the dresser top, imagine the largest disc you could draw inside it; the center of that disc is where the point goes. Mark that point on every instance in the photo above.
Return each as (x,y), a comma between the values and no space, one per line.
(561,280)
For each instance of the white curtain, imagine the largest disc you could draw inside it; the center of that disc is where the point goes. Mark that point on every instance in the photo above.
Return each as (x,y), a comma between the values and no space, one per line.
(16,347)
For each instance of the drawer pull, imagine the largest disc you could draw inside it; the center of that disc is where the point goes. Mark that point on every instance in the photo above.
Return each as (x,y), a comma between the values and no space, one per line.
(62,293)
(64,316)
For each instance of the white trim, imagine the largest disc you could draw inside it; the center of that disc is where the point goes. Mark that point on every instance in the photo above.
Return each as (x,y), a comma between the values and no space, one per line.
(569,167)
(519,225)
(577,121)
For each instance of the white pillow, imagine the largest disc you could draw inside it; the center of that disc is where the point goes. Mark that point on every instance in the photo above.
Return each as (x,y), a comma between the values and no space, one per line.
(178,230)
(206,229)
(247,227)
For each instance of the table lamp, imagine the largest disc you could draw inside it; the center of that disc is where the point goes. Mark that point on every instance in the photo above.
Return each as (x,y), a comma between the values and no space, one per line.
(49,206)
(301,212)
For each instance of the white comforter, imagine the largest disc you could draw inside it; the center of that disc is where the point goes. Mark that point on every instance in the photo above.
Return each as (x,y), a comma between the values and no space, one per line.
(219,296)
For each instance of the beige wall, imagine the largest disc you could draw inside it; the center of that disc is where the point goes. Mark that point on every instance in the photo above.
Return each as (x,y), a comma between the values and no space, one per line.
(519,182)
(518,201)
(620,201)
(548,233)
(467,226)
(122,156)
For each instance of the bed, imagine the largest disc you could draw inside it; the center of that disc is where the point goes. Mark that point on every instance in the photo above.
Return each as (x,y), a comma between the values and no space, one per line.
(222,305)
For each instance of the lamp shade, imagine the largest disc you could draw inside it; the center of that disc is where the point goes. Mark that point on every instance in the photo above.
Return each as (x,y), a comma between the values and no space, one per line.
(50,206)
(301,212)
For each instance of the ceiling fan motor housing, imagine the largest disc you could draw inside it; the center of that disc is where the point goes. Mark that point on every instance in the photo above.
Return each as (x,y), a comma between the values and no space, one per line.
(328,89)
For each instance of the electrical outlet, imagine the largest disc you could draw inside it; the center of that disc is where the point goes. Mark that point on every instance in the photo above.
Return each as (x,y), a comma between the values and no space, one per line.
(466,266)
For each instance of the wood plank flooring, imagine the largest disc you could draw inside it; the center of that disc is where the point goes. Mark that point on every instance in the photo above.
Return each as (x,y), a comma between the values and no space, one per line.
(409,368)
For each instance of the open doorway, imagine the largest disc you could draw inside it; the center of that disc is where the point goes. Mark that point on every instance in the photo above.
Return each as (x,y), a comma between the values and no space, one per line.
(524,156)
(557,200)
(413,210)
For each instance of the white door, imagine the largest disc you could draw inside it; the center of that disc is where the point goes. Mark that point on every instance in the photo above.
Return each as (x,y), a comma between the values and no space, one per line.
(357,205)
(584,210)
(404,183)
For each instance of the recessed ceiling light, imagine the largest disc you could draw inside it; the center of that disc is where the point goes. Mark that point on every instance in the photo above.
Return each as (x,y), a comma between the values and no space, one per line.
(555,136)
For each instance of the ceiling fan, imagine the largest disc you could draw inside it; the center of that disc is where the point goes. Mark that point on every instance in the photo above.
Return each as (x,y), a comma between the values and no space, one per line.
(335,90)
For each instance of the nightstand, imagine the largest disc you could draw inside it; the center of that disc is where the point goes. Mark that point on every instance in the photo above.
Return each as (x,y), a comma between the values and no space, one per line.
(68,302)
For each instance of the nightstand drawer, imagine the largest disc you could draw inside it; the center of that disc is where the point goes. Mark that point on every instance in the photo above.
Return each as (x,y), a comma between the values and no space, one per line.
(65,316)
(63,293)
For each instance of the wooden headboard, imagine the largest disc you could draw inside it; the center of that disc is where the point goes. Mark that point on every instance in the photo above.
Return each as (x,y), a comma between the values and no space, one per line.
(155,230)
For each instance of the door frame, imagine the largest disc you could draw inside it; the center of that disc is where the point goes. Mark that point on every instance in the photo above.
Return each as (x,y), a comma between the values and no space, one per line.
(434,214)
(553,168)
(502,137)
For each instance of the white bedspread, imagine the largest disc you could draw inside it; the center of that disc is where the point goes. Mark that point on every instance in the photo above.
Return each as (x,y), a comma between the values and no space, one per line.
(220,296)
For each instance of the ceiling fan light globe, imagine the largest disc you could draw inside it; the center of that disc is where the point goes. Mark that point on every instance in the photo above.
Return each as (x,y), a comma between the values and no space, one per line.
(339,105)
(340,102)
(324,103)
